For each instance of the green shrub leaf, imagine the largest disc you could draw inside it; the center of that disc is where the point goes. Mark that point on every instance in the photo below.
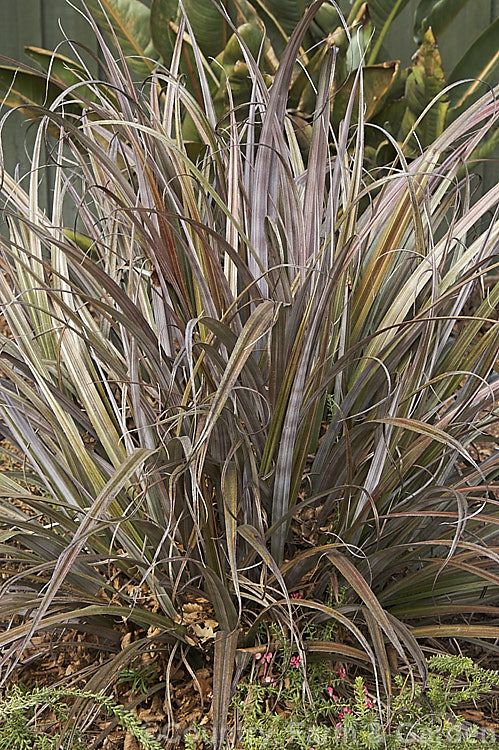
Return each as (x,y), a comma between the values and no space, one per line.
(435,14)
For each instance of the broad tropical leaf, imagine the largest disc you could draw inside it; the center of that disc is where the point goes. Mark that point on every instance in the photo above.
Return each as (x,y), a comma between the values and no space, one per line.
(479,62)
(435,15)
(129,20)
(26,88)
(382,12)
(423,88)
(378,80)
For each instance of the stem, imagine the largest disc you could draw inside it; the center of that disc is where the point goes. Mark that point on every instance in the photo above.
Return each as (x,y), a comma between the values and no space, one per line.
(354,11)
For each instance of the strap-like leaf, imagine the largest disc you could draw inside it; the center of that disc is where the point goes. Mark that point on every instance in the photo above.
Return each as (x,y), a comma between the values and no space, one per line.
(383,13)
(254,538)
(342,650)
(221,600)
(360,586)
(230,498)
(223,667)
(429,431)
(121,477)
(142,617)
(457,631)
(255,327)
(335,614)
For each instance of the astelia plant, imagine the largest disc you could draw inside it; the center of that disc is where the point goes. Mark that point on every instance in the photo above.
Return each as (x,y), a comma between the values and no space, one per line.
(208,350)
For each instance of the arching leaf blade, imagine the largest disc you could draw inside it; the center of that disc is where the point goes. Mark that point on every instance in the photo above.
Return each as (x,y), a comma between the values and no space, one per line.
(130,22)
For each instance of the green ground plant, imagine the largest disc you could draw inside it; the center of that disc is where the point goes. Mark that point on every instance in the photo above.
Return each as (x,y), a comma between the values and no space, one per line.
(344,715)
(138,677)
(171,350)
(19,730)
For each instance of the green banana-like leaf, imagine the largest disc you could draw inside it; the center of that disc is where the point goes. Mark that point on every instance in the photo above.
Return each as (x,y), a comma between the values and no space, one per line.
(383,12)
(361,32)
(232,61)
(481,152)
(435,14)
(65,71)
(424,82)
(213,35)
(480,62)
(211,29)
(130,22)
(251,34)
(388,116)
(303,90)
(163,14)
(287,12)
(326,21)
(26,88)
(350,47)
(280,18)
(61,68)
(378,80)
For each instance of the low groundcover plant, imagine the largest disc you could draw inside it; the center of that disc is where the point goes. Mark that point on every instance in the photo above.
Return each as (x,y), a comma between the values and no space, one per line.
(16,709)
(233,372)
(352,720)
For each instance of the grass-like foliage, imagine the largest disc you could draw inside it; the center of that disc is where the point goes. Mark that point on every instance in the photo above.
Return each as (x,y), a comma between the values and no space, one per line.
(209,346)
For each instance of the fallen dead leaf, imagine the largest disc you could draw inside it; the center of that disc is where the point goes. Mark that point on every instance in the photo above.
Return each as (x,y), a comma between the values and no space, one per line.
(204,630)
(472,715)
(126,640)
(130,742)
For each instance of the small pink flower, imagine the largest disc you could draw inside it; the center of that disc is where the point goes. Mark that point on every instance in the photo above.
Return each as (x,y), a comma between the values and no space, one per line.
(296,595)
(369,703)
(341,673)
(258,657)
(268,678)
(330,691)
(338,725)
(347,710)
(295,661)
(268,656)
